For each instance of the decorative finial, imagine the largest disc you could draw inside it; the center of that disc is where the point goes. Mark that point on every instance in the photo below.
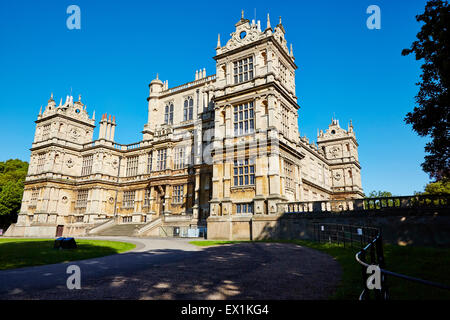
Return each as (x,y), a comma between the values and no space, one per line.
(93,115)
(268,22)
(242,14)
(40,110)
(218,41)
(292,51)
(280,20)
(51,98)
(79,97)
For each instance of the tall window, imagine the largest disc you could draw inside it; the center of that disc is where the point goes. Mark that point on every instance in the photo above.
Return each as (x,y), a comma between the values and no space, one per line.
(178,194)
(82,197)
(244,118)
(34,196)
(188,111)
(86,167)
(128,199)
(46,132)
(149,161)
(147,196)
(162,159)
(244,172)
(168,114)
(180,158)
(132,166)
(284,73)
(40,162)
(288,175)
(285,122)
(243,70)
(244,208)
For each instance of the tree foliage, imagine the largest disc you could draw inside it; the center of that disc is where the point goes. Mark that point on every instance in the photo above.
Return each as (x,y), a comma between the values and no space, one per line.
(379,194)
(437,188)
(431,115)
(12,176)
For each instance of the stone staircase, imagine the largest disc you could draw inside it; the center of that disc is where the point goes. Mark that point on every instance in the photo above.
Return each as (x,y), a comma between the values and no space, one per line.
(128,229)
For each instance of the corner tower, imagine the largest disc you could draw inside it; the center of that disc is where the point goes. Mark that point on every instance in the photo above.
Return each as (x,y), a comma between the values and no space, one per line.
(255,122)
(341,150)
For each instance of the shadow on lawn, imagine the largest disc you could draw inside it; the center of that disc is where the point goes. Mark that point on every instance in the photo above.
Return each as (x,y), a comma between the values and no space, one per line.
(242,271)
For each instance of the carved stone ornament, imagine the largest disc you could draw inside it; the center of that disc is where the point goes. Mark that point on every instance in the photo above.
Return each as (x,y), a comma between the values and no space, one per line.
(337,176)
(69,163)
(74,133)
(334,151)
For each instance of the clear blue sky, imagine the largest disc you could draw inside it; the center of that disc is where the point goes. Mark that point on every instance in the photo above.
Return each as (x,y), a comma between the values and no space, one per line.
(344,68)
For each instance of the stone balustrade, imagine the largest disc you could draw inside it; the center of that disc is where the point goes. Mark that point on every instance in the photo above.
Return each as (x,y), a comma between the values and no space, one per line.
(366,204)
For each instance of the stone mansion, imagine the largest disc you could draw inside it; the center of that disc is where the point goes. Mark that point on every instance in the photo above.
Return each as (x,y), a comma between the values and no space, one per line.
(218,151)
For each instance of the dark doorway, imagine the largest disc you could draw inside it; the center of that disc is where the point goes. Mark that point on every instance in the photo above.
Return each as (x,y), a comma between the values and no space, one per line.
(59,231)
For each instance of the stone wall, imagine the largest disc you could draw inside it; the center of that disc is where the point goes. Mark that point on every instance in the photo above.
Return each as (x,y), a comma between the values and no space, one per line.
(401,227)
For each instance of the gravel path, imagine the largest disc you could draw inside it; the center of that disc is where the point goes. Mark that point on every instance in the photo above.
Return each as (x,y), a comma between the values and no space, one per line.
(238,271)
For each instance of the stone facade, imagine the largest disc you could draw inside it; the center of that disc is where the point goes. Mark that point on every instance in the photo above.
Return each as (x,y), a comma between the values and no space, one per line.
(219,150)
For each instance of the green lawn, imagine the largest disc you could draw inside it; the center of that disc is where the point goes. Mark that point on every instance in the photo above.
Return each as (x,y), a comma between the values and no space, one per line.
(17,253)
(422,262)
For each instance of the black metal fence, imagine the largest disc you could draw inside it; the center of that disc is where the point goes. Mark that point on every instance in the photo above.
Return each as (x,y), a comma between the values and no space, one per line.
(346,235)
(371,254)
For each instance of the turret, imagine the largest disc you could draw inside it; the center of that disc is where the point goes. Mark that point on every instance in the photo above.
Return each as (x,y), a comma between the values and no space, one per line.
(107,128)
(341,150)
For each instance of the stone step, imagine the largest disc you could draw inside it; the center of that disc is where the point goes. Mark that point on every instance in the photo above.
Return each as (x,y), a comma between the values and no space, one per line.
(127,229)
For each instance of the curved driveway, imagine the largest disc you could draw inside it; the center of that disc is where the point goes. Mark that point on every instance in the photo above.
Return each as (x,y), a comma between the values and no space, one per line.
(175,269)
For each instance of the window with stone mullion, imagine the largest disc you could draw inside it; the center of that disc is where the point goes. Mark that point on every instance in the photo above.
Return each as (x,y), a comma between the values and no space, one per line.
(244,172)
(168,114)
(243,70)
(188,112)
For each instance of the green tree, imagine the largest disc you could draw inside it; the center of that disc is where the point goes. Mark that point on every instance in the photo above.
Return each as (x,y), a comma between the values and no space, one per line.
(438,188)
(379,194)
(431,115)
(379,203)
(12,177)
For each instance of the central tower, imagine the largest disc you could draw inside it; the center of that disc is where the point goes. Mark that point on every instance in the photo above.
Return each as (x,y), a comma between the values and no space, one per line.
(256,131)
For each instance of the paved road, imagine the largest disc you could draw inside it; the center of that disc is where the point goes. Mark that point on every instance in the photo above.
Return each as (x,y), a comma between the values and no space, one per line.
(175,269)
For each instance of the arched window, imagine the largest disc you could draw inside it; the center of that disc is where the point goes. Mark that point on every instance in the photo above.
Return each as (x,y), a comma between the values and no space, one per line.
(168,114)
(188,111)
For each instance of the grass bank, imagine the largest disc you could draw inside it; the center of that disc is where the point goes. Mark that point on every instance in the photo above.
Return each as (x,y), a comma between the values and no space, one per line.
(18,253)
(427,263)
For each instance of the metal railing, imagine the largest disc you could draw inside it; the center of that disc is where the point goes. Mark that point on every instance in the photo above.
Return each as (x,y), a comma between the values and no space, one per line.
(347,235)
(372,254)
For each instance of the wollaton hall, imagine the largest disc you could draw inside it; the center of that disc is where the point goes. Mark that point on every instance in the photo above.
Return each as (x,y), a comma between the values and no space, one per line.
(221,151)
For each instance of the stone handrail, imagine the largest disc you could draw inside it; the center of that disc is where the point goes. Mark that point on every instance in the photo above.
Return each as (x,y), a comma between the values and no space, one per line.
(149,225)
(189,84)
(366,204)
(115,145)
